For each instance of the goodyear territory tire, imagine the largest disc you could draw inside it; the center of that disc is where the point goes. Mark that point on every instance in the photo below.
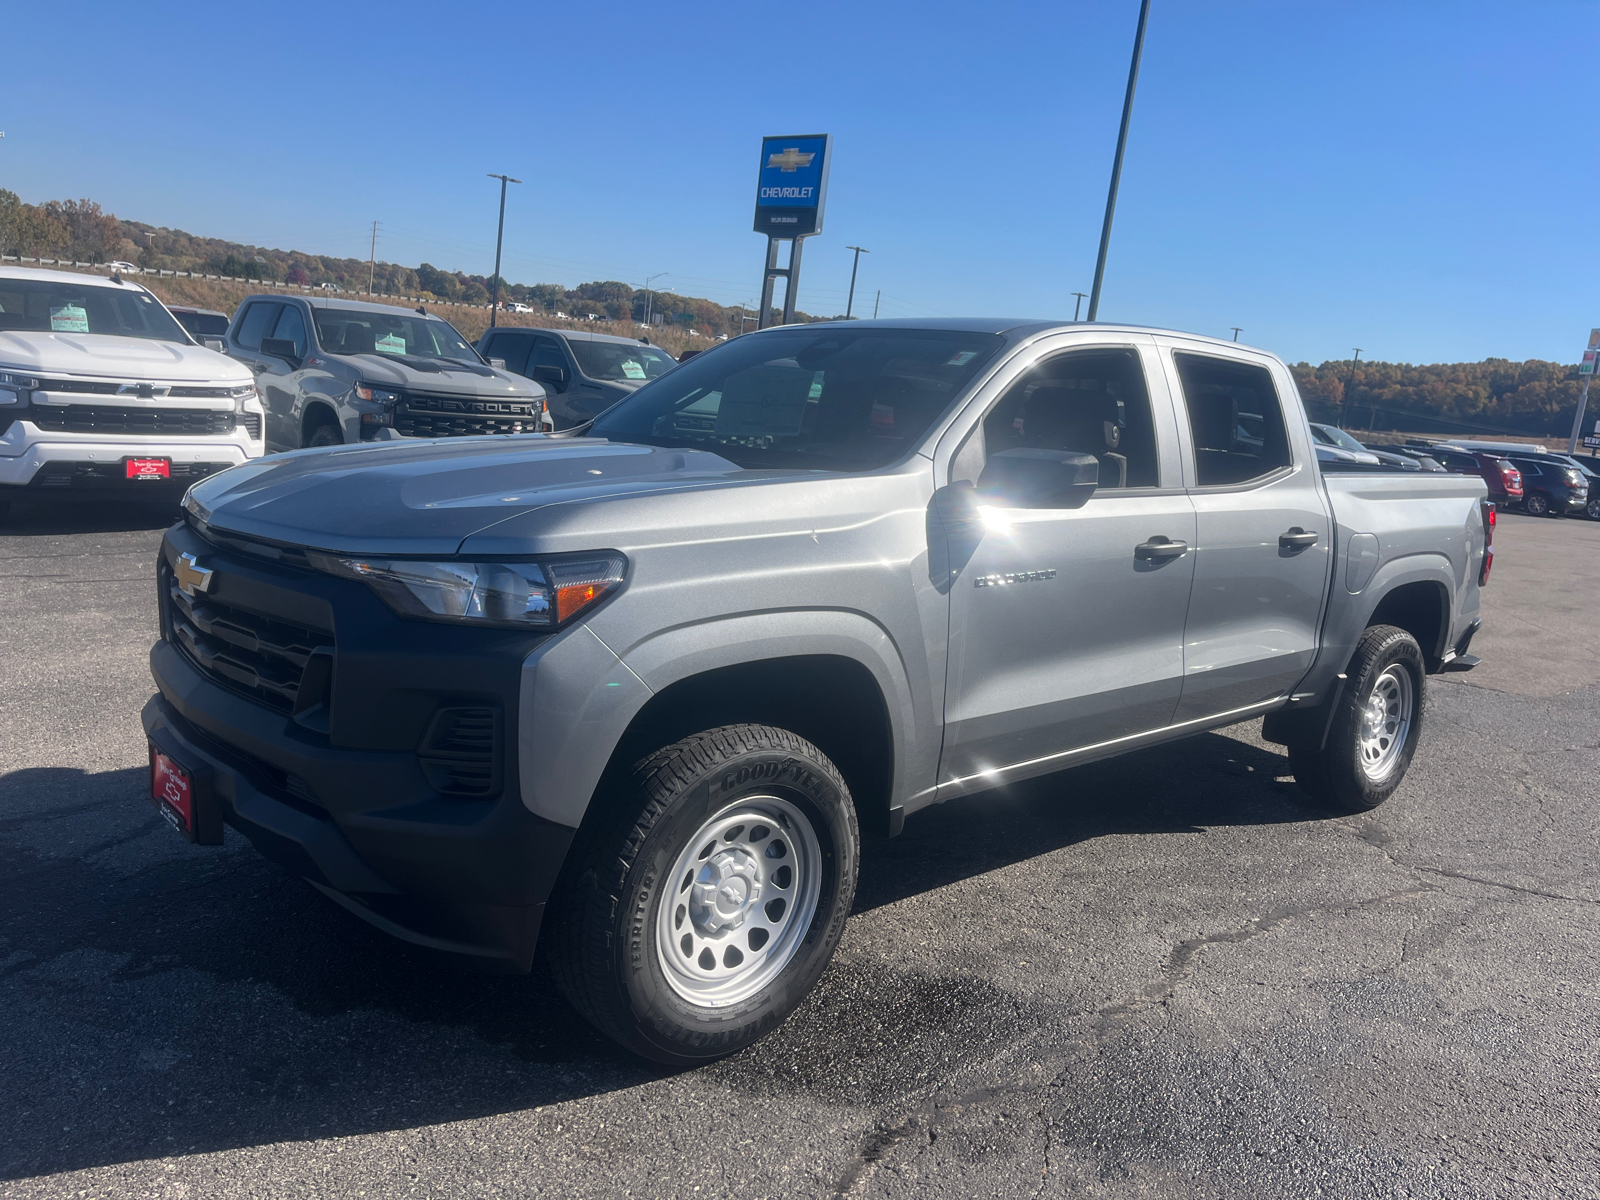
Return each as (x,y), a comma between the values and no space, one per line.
(705,904)
(1375,727)
(325,435)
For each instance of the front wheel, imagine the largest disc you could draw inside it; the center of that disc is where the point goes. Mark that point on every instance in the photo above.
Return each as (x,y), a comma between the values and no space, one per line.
(325,435)
(703,906)
(1537,505)
(1375,726)
(1592,509)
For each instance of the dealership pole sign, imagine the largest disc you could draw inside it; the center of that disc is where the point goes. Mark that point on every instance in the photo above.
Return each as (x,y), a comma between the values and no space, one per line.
(1591,354)
(791,193)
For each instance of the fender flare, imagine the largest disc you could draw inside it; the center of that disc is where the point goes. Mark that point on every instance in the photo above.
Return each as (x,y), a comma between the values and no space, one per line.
(578,697)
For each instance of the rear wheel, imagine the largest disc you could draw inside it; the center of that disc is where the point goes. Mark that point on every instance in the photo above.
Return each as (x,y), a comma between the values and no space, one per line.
(700,910)
(1538,505)
(1375,726)
(1592,509)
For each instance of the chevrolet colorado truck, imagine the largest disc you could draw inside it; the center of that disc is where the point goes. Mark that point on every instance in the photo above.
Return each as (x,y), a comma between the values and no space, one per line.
(104,395)
(645,688)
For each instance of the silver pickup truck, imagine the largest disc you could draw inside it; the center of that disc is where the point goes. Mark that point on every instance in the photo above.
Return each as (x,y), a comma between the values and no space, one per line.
(646,688)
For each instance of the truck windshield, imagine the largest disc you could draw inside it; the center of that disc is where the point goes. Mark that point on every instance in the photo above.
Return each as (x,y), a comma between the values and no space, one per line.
(1330,435)
(619,362)
(822,397)
(401,333)
(48,306)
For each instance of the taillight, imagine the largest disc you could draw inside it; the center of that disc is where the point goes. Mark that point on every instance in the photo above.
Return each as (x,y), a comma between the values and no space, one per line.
(1488,542)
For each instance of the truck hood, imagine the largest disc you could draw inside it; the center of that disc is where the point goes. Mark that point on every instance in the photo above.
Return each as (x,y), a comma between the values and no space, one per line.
(442,375)
(416,497)
(99,354)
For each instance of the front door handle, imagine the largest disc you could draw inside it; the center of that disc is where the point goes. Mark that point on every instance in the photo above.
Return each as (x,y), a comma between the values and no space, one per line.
(1297,539)
(1158,548)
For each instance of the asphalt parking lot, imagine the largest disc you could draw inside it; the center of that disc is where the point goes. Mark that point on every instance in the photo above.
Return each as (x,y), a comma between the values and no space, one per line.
(1161,976)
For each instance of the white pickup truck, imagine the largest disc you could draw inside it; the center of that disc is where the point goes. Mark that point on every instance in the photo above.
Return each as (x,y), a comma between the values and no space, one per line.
(104,395)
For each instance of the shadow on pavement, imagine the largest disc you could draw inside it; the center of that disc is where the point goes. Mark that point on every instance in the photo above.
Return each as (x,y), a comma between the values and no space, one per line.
(204,1000)
(24,518)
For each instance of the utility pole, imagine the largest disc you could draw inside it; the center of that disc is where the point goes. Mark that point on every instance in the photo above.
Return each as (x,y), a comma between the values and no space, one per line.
(1116,166)
(648,295)
(372,258)
(1236,331)
(849,304)
(1078,303)
(1348,384)
(875,304)
(499,237)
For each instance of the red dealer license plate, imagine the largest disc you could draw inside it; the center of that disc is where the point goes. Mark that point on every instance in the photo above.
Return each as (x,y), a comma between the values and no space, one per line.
(148,468)
(172,791)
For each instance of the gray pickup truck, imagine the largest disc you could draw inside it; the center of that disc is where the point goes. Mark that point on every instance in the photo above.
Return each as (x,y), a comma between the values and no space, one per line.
(647,687)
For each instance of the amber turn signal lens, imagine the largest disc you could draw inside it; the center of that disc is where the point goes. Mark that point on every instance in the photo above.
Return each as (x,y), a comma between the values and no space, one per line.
(574,598)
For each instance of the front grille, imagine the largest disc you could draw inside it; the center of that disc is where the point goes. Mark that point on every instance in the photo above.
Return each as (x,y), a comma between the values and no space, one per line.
(252,426)
(94,387)
(449,416)
(59,474)
(147,422)
(262,657)
(460,753)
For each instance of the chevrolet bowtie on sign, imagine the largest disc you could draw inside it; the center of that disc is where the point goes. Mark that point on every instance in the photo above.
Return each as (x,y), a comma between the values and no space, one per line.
(792,185)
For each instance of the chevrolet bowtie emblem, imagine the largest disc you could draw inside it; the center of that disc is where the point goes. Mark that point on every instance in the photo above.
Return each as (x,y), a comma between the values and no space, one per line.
(790,160)
(192,577)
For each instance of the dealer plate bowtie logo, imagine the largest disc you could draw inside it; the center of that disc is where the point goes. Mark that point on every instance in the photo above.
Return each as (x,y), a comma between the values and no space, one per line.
(790,161)
(192,577)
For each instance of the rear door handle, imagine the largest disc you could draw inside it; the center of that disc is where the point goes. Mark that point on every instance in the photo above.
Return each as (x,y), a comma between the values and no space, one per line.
(1159,548)
(1297,538)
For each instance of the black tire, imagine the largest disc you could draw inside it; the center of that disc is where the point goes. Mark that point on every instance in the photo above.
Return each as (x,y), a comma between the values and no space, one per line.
(1537,505)
(326,434)
(1333,774)
(601,929)
(1592,509)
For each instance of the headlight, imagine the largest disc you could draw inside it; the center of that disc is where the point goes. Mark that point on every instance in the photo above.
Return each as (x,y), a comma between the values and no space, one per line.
(365,391)
(538,595)
(243,393)
(14,388)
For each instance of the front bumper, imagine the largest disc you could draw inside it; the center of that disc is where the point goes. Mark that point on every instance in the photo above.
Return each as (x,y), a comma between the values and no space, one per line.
(32,458)
(353,806)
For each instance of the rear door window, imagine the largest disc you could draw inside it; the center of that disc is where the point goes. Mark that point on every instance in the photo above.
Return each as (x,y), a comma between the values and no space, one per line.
(1235,419)
(253,326)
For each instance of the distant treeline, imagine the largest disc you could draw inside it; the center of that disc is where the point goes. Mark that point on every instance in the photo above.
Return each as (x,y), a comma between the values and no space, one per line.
(81,231)
(1495,396)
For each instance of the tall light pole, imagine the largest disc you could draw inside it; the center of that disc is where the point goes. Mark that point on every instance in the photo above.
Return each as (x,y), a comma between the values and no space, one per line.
(849,304)
(648,293)
(1078,303)
(1116,166)
(1236,331)
(1348,384)
(499,237)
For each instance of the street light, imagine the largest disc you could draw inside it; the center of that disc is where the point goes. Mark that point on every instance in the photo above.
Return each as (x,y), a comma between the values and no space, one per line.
(1348,384)
(1078,303)
(1116,166)
(647,293)
(499,237)
(849,304)
(1236,331)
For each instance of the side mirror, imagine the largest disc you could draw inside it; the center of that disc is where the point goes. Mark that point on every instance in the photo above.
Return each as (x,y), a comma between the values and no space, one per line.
(499,364)
(214,343)
(557,376)
(1039,478)
(280,348)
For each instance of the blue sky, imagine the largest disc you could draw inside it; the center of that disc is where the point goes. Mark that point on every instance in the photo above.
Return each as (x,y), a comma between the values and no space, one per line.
(1416,179)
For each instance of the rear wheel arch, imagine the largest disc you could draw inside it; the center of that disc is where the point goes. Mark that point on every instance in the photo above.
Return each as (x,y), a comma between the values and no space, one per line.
(1422,609)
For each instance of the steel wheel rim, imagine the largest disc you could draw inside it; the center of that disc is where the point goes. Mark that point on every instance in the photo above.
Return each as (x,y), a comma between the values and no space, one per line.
(738,901)
(1385,723)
